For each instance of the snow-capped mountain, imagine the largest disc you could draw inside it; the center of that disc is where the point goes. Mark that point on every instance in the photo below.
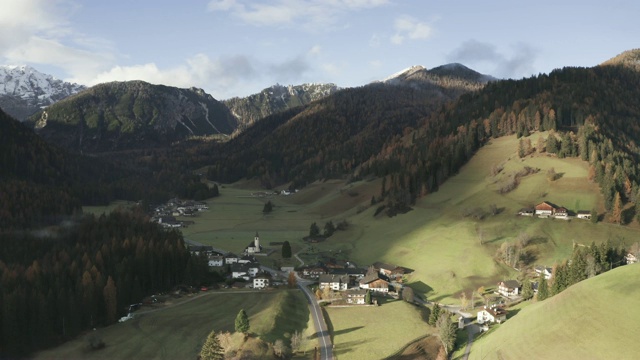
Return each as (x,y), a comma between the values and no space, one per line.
(24,90)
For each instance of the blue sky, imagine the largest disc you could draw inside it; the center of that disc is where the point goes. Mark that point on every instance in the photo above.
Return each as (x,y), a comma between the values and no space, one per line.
(237,47)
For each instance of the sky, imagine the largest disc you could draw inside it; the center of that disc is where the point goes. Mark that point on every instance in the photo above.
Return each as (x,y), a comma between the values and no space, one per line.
(239,47)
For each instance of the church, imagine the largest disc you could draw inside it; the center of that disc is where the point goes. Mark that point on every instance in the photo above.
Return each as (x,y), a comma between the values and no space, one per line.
(254,247)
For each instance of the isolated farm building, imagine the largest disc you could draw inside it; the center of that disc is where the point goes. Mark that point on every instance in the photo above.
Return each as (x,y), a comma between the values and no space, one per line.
(356,296)
(493,314)
(335,282)
(231,258)
(584,214)
(527,212)
(254,247)
(373,282)
(216,260)
(509,288)
(631,259)
(261,280)
(545,208)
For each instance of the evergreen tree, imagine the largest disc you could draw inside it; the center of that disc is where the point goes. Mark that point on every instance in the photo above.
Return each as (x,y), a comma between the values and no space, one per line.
(616,212)
(552,144)
(329,228)
(543,289)
(367,297)
(527,289)
(435,315)
(242,322)
(215,192)
(268,207)
(110,300)
(211,349)
(314,230)
(286,250)
(594,216)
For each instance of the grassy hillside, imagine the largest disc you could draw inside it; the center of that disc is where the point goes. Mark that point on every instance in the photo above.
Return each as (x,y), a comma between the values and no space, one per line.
(595,319)
(178,332)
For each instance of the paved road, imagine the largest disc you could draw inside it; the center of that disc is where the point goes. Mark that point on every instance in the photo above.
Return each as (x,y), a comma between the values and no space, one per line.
(324,338)
(472,330)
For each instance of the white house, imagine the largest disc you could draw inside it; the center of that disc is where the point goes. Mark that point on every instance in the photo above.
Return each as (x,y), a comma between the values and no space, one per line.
(583,214)
(543,270)
(231,258)
(261,281)
(492,314)
(631,259)
(509,288)
(356,296)
(253,268)
(561,213)
(335,282)
(247,259)
(240,271)
(216,260)
(545,209)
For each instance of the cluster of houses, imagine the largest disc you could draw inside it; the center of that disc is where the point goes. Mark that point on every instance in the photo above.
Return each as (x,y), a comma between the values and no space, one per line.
(549,210)
(244,267)
(354,282)
(165,215)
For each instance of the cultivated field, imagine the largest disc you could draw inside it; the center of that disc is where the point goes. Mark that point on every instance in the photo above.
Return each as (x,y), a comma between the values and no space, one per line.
(178,332)
(375,332)
(579,323)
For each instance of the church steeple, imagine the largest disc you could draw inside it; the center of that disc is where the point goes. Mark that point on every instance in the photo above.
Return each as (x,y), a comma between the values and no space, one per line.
(256,242)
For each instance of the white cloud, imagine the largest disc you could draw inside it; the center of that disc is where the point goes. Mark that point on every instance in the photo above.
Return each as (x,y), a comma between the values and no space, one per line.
(486,56)
(315,50)
(409,28)
(374,41)
(309,14)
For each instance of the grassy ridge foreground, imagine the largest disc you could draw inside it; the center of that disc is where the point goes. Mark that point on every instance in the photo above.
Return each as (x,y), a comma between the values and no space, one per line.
(595,319)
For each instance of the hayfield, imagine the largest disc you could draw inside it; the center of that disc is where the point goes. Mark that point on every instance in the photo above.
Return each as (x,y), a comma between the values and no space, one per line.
(579,323)
(375,332)
(178,332)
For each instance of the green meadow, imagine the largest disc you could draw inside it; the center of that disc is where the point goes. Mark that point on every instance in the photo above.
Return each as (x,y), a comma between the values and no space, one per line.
(573,324)
(178,332)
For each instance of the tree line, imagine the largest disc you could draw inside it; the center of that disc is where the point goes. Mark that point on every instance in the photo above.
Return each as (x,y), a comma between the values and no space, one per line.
(54,286)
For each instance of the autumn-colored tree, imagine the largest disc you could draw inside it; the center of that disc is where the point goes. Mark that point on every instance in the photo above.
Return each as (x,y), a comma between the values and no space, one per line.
(110,300)
(291,280)
(616,212)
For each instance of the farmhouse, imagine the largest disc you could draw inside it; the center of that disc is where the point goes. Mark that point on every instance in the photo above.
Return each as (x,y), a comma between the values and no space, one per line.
(392,272)
(230,258)
(247,259)
(314,271)
(244,271)
(354,273)
(335,282)
(373,282)
(356,296)
(509,288)
(543,270)
(262,280)
(584,214)
(561,213)
(631,259)
(492,314)
(216,260)
(254,247)
(545,209)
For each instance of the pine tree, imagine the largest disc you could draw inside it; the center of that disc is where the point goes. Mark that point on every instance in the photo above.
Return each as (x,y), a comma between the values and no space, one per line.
(543,288)
(110,300)
(329,228)
(314,230)
(212,350)
(367,297)
(527,289)
(435,315)
(616,212)
(286,250)
(242,322)
(268,207)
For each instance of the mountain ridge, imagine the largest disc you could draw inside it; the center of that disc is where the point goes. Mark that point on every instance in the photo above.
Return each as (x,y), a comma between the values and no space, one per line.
(24,90)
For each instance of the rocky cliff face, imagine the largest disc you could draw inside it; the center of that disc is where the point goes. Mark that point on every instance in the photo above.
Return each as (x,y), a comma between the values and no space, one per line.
(275,99)
(24,90)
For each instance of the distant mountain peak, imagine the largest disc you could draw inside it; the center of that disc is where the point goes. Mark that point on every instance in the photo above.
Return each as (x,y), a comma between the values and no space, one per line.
(629,58)
(405,73)
(24,90)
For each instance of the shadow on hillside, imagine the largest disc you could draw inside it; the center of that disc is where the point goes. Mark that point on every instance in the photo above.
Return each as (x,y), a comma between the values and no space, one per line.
(420,287)
(346,331)
(628,214)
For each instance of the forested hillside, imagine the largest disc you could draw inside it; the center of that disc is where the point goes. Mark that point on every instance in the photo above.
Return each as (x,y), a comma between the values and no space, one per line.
(84,276)
(593,110)
(40,183)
